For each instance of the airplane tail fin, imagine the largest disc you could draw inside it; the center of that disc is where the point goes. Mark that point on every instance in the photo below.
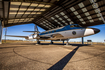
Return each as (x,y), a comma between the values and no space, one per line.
(35,30)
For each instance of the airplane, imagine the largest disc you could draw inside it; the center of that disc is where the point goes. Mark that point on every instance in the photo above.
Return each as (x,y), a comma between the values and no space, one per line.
(60,34)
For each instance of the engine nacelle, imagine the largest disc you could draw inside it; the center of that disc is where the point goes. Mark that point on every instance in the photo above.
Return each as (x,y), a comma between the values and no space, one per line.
(32,36)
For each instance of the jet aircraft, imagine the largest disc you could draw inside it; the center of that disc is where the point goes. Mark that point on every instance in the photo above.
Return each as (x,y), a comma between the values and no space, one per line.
(62,33)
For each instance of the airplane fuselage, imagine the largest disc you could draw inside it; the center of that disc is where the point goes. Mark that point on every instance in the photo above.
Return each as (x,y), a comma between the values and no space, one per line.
(66,32)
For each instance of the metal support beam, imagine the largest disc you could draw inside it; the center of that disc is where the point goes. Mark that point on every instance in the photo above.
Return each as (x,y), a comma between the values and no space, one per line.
(5,34)
(67,42)
(38,42)
(82,40)
(0,32)
(63,41)
(51,42)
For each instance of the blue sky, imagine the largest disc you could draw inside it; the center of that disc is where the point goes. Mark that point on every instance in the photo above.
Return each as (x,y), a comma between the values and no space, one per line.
(18,30)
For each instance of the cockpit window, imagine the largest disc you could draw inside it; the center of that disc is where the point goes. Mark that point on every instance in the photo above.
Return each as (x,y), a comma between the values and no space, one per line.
(75,26)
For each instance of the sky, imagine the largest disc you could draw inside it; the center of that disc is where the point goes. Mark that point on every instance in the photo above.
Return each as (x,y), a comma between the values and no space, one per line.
(18,30)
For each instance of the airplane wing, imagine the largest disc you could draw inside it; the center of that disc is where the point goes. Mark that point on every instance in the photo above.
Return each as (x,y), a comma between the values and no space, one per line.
(57,35)
(17,36)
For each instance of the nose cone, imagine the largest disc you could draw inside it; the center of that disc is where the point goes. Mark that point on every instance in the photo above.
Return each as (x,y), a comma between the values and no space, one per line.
(96,30)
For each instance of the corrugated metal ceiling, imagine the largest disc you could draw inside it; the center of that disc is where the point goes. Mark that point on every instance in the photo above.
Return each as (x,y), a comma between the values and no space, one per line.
(50,14)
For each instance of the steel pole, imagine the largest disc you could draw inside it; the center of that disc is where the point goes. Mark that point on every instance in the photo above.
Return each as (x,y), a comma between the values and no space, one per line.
(0,32)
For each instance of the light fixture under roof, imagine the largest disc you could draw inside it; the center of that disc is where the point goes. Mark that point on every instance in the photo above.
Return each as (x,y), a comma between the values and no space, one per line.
(34,4)
(42,9)
(81,5)
(23,9)
(97,10)
(36,9)
(41,5)
(27,12)
(57,16)
(68,19)
(84,9)
(38,13)
(59,23)
(91,20)
(72,9)
(81,19)
(15,3)
(60,18)
(55,20)
(30,9)
(71,22)
(65,16)
(87,14)
(21,19)
(52,18)
(62,13)
(100,19)
(76,13)
(16,19)
(95,5)
(63,21)
(20,12)
(11,20)
(31,18)
(13,8)
(47,6)
(91,1)
(44,22)
(78,16)
(83,22)
(33,12)
(25,4)
(98,15)
(89,17)
(12,12)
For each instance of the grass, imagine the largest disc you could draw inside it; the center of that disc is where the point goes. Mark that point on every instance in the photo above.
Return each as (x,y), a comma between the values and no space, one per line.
(25,41)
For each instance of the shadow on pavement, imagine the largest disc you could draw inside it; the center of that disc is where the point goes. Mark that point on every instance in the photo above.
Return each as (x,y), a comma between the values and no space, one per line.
(62,63)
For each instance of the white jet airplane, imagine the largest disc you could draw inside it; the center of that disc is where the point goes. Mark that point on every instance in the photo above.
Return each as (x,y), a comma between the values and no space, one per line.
(63,33)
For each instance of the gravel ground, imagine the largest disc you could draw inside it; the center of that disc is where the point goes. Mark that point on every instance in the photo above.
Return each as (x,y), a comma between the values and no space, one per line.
(28,56)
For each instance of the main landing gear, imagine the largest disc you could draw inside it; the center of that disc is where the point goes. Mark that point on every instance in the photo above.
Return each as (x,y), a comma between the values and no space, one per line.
(51,42)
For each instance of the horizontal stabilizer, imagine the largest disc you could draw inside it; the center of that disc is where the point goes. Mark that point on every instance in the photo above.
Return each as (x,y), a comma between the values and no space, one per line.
(17,36)
(32,31)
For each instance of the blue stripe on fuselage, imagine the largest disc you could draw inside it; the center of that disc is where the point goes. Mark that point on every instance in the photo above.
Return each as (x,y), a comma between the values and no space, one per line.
(62,29)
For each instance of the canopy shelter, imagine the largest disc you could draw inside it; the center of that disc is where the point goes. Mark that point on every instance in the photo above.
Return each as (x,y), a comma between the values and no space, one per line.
(50,14)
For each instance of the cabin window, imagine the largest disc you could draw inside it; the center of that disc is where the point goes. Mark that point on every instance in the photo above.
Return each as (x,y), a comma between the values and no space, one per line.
(72,26)
(54,30)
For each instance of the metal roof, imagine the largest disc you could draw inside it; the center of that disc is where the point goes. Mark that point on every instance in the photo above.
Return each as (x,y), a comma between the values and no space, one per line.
(50,14)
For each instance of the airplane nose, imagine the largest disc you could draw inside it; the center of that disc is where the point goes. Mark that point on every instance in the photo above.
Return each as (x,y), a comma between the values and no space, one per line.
(96,30)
